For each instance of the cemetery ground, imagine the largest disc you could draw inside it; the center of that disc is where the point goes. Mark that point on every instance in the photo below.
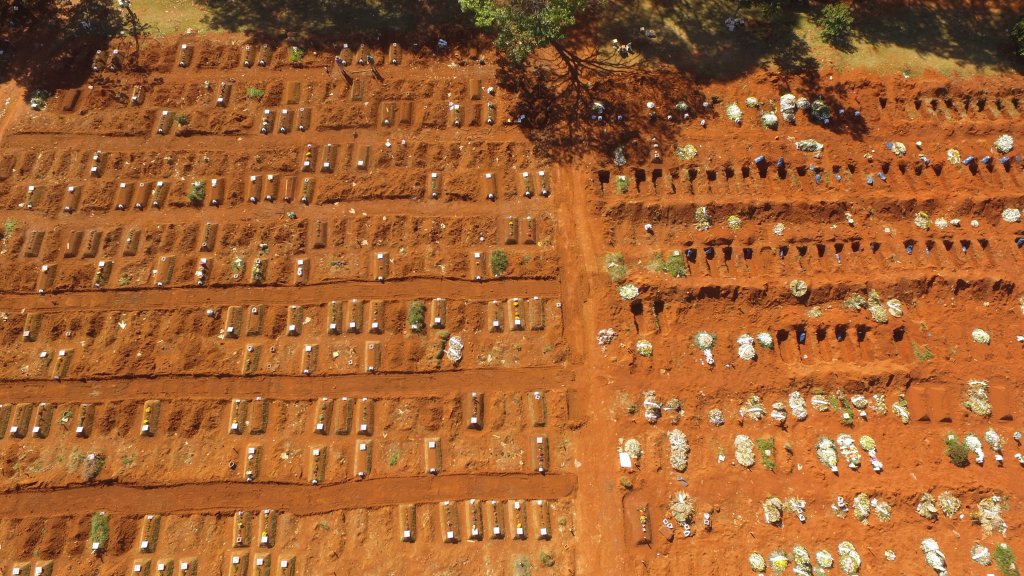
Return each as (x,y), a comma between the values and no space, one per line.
(261,315)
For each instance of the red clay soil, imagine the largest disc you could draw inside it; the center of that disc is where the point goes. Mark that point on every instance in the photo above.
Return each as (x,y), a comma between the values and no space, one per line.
(294,364)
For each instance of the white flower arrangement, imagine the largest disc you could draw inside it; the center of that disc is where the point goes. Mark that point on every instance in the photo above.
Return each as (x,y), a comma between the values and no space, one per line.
(941,223)
(973,443)
(746,349)
(980,336)
(801,559)
(778,229)
(716,417)
(757,563)
(933,556)
(765,340)
(981,555)
(926,507)
(644,348)
(848,448)
(632,447)
(1011,215)
(744,449)
(701,218)
(850,563)
(867,443)
(953,156)
(778,561)
(922,221)
(899,408)
(752,102)
(949,504)
(994,440)
(769,120)
(797,406)
(779,412)
(809,145)
(977,398)
(826,451)
(899,149)
(704,340)
(734,222)
(895,307)
(628,291)
(861,507)
(679,450)
(733,112)
(772,508)
(787,106)
(1003,144)
(824,558)
(681,507)
(803,103)
(820,403)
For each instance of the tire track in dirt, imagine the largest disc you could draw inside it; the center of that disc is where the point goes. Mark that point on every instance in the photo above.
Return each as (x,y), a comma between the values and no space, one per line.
(216,296)
(299,499)
(395,385)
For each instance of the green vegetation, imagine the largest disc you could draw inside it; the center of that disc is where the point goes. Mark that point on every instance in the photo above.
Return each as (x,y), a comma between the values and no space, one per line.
(10,225)
(957,451)
(417,309)
(393,455)
(182,120)
(93,466)
(499,262)
(99,530)
(295,54)
(766,448)
(255,93)
(1017,36)
(522,27)
(521,566)
(622,184)
(1005,560)
(616,266)
(197,193)
(38,99)
(836,23)
(922,353)
(674,266)
(547,559)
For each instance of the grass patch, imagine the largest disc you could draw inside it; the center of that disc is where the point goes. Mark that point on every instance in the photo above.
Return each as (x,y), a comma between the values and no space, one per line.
(547,559)
(10,225)
(957,451)
(615,264)
(197,193)
(93,466)
(1005,560)
(499,262)
(416,311)
(521,566)
(171,16)
(922,353)
(99,529)
(766,448)
(255,93)
(393,456)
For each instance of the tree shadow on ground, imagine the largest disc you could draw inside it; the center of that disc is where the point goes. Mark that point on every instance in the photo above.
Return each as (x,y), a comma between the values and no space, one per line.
(319,23)
(49,46)
(967,32)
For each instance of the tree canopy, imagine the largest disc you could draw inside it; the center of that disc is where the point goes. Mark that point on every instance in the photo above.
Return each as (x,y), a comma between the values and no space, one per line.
(523,26)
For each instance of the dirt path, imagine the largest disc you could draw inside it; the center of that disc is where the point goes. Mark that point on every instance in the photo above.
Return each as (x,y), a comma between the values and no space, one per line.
(296,499)
(218,296)
(394,385)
